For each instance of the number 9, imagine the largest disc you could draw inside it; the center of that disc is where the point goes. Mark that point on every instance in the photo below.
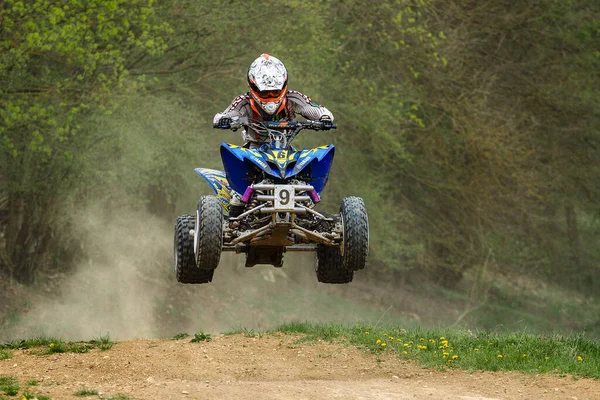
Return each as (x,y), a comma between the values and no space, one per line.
(284,195)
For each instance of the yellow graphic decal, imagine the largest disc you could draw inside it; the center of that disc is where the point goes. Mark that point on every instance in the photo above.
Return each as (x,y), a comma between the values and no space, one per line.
(282,157)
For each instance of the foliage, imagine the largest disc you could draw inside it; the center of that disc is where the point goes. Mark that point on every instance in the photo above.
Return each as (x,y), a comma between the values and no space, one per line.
(201,337)
(60,61)
(448,348)
(4,354)
(470,131)
(86,392)
(9,385)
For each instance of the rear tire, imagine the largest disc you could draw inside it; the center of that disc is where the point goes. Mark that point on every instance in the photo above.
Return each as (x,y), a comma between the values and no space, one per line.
(208,240)
(185,263)
(330,267)
(355,247)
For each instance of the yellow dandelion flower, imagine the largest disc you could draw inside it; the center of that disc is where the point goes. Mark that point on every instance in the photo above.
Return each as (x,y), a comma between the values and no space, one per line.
(421,339)
(476,349)
(422,347)
(391,338)
(383,344)
(405,352)
(454,357)
(406,345)
(367,332)
(378,341)
(445,354)
(51,345)
(431,341)
(500,356)
(579,358)
(399,339)
(442,338)
(524,355)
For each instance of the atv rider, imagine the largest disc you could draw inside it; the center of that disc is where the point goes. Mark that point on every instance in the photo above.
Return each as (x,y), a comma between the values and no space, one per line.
(269,100)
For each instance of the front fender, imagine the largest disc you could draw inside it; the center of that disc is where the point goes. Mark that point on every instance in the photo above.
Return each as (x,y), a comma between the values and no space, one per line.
(218,181)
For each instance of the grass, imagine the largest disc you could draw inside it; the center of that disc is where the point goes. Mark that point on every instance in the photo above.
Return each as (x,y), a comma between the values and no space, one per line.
(180,336)
(103,342)
(4,354)
(86,392)
(451,348)
(201,337)
(50,345)
(250,333)
(37,341)
(9,385)
(30,396)
(119,397)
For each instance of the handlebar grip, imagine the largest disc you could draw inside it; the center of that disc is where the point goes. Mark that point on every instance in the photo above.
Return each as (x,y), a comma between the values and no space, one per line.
(279,125)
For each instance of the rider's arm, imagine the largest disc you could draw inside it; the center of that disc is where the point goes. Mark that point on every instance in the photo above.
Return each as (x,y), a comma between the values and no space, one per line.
(304,106)
(237,108)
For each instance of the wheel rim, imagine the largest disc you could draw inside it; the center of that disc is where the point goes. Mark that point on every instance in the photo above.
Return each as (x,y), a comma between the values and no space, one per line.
(176,258)
(343,243)
(196,244)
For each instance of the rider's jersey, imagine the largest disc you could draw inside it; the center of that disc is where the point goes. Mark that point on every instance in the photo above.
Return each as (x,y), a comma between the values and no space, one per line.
(297,103)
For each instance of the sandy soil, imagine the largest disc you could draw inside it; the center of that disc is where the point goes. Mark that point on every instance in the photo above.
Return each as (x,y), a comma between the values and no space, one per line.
(270,367)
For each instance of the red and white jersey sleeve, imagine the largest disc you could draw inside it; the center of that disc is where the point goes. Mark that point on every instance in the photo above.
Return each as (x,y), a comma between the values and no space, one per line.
(239,107)
(303,105)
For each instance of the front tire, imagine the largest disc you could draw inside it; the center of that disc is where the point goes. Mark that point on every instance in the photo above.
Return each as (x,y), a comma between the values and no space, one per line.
(185,263)
(330,267)
(355,246)
(208,240)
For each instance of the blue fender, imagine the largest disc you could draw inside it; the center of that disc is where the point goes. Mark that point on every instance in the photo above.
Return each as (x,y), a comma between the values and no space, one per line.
(218,181)
(235,161)
(319,159)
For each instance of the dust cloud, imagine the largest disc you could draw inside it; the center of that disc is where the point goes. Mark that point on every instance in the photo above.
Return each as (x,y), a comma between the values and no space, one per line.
(126,288)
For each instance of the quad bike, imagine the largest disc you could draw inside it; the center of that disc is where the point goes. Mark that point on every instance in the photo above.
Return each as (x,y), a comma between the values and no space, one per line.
(269,195)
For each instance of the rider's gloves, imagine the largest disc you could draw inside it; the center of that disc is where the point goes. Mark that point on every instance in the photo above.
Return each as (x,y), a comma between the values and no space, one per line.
(326,123)
(224,123)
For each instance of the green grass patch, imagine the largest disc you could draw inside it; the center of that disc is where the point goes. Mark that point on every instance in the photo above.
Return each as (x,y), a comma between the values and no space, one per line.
(451,348)
(201,337)
(4,354)
(86,392)
(250,333)
(30,396)
(103,342)
(37,341)
(50,345)
(180,336)
(9,385)
(32,383)
(119,397)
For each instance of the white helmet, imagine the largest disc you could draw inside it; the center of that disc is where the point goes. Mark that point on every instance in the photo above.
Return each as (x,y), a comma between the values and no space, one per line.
(267,78)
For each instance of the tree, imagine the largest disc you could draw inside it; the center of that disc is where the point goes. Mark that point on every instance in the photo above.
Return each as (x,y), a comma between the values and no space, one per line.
(59,62)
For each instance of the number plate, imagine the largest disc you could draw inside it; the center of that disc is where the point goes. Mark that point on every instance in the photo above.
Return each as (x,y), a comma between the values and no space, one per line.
(284,198)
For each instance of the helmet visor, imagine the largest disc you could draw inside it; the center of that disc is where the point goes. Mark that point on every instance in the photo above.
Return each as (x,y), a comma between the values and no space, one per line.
(268,95)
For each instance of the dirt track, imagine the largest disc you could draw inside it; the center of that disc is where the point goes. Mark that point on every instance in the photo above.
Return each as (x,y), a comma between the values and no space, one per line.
(270,367)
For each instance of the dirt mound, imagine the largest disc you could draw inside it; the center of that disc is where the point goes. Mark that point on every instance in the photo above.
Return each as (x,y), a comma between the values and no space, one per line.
(268,367)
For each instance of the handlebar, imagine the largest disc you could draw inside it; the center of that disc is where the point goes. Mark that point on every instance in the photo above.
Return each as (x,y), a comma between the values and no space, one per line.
(296,126)
(314,125)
